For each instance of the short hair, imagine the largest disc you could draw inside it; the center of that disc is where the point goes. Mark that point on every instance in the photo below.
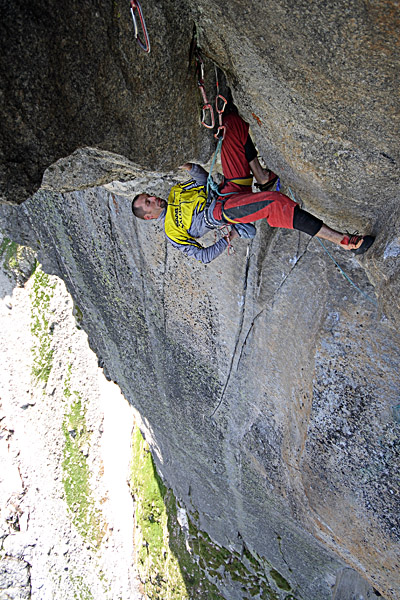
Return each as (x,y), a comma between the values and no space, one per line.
(138,211)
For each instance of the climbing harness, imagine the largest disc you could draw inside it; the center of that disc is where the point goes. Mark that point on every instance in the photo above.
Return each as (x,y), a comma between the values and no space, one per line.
(338,266)
(145,45)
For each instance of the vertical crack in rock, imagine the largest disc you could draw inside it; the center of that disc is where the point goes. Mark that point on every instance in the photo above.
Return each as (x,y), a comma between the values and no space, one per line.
(330,133)
(239,329)
(297,588)
(270,303)
(165,262)
(113,237)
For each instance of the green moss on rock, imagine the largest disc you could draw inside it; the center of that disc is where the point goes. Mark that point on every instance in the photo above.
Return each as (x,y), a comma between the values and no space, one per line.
(280,581)
(166,567)
(76,475)
(42,352)
(181,567)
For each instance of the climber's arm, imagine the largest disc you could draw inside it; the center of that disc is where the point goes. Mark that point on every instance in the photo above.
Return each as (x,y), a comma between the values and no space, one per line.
(197,173)
(192,248)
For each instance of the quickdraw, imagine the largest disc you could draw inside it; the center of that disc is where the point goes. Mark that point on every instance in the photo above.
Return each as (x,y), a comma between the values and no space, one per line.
(208,119)
(220,104)
(220,109)
(145,45)
(207,108)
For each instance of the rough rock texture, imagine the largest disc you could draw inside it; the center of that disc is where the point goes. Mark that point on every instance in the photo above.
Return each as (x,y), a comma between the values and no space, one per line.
(318,83)
(269,385)
(43,551)
(266,382)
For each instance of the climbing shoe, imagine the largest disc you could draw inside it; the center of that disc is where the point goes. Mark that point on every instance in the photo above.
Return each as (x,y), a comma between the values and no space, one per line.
(367,241)
(268,185)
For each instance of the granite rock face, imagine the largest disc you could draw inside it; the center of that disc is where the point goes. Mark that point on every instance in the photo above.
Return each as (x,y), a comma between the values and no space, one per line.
(268,385)
(318,83)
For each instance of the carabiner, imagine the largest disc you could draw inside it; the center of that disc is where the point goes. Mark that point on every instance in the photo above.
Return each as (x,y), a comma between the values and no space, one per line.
(220,135)
(203,120)
(223,233)
(224,103)
(200,83)
(145,46)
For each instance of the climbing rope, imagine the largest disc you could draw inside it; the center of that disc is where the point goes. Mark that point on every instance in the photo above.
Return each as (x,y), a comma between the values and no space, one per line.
(207,110)
(338,266)
(145,45)
(211,184)
(347,277)
(223,231)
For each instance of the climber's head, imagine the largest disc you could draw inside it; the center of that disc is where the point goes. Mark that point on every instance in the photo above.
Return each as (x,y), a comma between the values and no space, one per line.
(147,207)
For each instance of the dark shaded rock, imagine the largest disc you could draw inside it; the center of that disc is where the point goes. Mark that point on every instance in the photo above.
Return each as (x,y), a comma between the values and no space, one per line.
(73,76)
(318,84)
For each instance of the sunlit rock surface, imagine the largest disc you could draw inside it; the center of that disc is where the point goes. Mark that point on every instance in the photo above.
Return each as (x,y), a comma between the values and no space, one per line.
(66,511)
(267,382)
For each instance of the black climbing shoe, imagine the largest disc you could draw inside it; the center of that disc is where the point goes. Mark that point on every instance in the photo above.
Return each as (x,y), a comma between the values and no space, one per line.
(367,241)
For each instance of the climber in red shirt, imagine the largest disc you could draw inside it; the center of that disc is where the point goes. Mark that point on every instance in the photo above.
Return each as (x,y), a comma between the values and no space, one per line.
(235,203)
